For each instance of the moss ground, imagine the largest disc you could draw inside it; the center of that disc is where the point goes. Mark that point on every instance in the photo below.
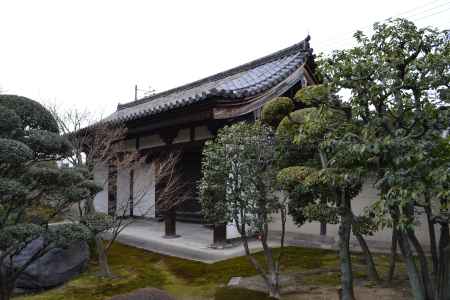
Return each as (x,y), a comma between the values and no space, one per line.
(136,268)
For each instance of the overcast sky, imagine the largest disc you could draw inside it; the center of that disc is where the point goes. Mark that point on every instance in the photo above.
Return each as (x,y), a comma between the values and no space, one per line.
(90,54)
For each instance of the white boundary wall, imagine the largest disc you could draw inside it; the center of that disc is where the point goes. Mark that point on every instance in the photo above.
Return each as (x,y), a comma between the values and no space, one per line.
(368,195)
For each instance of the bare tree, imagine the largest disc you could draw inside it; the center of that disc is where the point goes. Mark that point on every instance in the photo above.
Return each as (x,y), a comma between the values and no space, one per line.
(96,143)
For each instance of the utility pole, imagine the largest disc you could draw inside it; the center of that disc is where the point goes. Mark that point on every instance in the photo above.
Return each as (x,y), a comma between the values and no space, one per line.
(146,93)
(135,92)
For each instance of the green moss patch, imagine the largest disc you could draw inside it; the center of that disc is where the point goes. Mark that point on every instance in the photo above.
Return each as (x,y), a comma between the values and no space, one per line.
(221,272)
(136,268)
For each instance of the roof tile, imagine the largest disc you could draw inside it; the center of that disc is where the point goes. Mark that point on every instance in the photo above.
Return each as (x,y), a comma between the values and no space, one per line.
(249,79)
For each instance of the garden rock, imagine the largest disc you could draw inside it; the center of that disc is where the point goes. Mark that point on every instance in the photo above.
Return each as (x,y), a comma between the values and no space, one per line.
(145,294)
(54,268)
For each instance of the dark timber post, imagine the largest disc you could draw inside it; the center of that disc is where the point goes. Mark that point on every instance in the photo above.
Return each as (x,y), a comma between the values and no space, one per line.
(131,199)
(220,235)
(323,228)
(170,215)
(170,223)
(112,189)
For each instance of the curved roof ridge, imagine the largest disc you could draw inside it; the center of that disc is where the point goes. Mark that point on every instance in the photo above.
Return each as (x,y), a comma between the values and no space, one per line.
(298,47)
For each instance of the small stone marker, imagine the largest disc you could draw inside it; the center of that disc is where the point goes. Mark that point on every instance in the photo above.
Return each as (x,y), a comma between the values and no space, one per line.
(234,281)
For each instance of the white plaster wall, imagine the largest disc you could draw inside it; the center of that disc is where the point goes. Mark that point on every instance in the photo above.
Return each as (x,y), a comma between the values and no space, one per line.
(123,192)
(232,231)
(144,191)
(368,196)
(101,178)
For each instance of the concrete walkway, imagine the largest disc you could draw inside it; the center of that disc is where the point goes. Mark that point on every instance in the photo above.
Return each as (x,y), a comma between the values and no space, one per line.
(195,241)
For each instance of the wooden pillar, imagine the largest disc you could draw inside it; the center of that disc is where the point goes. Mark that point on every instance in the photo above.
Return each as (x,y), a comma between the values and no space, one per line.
(112,189)
(323,228)
(131,199)
(220,234)
(170,224)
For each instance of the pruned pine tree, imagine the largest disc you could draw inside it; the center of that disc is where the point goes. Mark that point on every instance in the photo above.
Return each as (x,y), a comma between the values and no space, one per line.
(34,190)
(320,187)
(398,80)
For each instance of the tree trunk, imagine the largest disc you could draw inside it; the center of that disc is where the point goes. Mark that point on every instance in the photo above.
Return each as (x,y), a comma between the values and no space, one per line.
(273,282)
(414,278)
(393,258)
(105,271)
(7,280)
(428,285)
(443,277)
(242,231)
(432,235)
(5,293)
(344,250)
(170,223)
(6,287)
(324,163)
(274,286)
(371,268)
(90,207)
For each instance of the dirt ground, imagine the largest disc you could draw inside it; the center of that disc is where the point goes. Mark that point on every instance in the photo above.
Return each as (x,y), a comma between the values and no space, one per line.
(362,293)
(294,287)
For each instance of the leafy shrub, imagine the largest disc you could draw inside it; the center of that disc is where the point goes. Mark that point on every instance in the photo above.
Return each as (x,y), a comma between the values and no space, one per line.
(276,109)
(290,125)
(313,95)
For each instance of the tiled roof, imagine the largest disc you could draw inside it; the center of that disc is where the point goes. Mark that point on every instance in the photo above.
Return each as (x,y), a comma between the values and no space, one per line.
(238,83)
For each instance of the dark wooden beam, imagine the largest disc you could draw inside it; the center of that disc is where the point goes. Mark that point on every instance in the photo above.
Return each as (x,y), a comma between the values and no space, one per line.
(194,145)
(168,134)
(170,119)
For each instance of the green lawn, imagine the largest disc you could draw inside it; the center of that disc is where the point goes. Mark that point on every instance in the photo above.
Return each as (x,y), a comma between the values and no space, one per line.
(135,268)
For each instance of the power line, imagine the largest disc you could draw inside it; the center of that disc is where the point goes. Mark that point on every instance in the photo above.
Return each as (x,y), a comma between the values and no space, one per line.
(398,15)
(430,9)
(340,41)
(417,7)
(436,13)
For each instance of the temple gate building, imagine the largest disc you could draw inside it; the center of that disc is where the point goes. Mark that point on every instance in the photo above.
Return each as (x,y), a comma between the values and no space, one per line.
(183,118)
